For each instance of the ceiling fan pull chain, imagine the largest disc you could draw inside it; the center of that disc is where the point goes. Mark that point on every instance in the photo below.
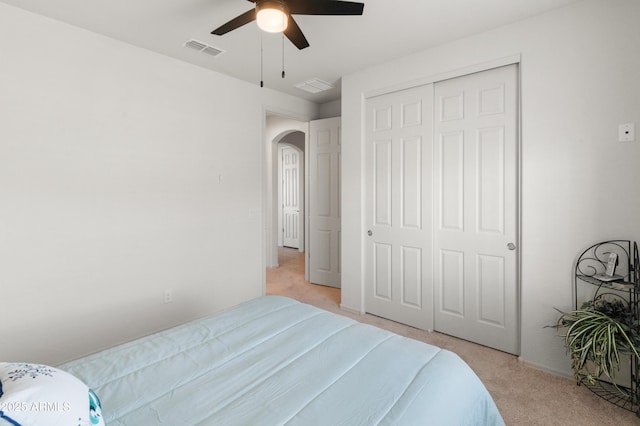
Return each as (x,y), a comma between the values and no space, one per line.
(261,60)
(283,55)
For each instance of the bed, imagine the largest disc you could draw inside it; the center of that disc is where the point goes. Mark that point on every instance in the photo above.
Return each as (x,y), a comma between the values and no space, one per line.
(274,361)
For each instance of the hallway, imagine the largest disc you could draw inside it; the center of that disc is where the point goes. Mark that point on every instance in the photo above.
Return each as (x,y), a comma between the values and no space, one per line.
(288,280)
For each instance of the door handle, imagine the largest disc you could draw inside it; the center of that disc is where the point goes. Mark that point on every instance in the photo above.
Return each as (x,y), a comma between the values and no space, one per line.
(511,246)
(369,232)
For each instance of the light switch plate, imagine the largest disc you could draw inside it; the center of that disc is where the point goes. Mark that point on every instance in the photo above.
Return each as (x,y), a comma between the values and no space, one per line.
(627,132)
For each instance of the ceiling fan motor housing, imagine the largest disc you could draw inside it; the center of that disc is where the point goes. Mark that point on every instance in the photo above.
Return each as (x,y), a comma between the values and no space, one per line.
(272,15)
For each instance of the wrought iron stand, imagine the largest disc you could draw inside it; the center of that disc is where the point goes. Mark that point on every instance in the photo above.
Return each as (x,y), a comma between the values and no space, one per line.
(625,390)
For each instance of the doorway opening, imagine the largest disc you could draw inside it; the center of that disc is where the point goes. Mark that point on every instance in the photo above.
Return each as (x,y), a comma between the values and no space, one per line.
(290,267)
(282,131)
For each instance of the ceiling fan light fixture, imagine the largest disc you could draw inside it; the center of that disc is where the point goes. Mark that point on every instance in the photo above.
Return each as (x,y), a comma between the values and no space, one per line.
(272,16)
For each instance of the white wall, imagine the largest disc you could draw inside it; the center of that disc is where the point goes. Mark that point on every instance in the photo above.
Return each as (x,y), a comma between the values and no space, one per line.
(580,73)
(122,173)
(330,109)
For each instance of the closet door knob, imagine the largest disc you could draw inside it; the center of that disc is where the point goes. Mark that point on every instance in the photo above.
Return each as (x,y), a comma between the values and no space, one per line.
(369,232)
(511,246)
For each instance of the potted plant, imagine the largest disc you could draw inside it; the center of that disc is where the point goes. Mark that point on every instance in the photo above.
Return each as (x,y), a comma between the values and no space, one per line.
(596,335)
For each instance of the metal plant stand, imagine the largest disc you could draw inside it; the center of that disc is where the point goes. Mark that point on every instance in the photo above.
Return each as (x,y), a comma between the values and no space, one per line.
(624,391)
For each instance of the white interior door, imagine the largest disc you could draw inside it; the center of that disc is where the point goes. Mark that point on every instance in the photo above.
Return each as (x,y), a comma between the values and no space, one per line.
(475,174)
(324,202)
(399,220)
(290,197)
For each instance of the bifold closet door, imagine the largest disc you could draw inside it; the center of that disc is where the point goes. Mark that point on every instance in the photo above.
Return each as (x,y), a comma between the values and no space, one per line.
(398,237)
(475,235)
(441,207)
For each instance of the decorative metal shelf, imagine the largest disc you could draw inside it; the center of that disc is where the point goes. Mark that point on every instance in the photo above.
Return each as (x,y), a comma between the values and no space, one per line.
(591,262)
(620,284)
(613,394)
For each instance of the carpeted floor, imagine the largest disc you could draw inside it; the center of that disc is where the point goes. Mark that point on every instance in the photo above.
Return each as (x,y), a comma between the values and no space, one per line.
(524,395)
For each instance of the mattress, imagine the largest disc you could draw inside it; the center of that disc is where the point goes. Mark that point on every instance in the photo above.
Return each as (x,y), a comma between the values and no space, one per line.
(275,361)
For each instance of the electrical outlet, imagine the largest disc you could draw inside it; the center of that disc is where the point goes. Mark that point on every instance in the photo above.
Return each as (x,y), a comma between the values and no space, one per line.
(627,132)
(167,296)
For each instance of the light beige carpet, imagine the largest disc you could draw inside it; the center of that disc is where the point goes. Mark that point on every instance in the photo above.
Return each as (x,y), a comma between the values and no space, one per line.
(524,395)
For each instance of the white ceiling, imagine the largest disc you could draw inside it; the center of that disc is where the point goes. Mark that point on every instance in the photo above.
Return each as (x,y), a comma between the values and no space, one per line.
(339,44)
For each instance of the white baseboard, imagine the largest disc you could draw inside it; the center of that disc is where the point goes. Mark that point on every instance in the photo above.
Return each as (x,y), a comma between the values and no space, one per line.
(567,374)
(351,310)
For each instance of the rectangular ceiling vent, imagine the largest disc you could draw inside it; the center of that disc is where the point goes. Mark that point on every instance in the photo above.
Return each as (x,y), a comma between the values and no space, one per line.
(314,85)
(204,48)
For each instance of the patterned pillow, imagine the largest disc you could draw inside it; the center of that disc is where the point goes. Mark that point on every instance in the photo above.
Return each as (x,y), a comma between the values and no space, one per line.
(33,394)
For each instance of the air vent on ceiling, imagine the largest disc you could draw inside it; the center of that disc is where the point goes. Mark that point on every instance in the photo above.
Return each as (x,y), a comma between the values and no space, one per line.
(204,48)
(314,85)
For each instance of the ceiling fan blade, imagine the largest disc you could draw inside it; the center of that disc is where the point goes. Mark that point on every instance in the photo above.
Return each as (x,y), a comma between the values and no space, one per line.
(236,22)
(294,33)
(324,7)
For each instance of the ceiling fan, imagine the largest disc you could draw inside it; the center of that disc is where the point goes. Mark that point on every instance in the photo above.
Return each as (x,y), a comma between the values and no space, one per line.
(275,16)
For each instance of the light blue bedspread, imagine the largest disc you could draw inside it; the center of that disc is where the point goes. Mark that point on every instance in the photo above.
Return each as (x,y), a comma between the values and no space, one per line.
(274,361)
